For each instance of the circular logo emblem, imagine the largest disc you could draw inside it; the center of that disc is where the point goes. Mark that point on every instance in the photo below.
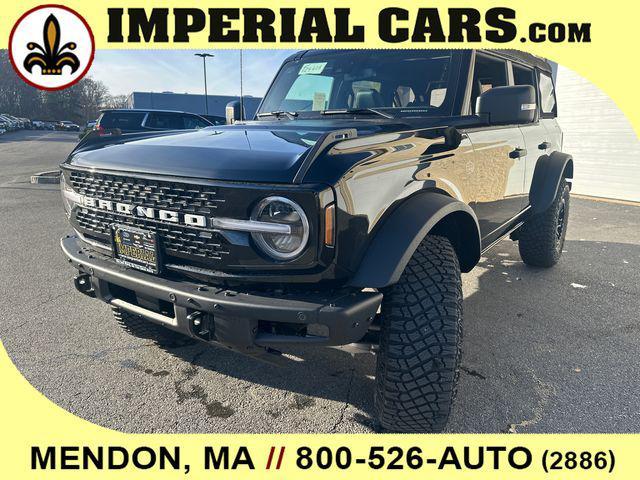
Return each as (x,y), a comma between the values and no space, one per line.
(51,47)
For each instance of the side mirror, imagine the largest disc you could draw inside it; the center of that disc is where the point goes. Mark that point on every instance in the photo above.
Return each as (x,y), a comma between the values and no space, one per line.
(233,112)
(452,137)
(508,105)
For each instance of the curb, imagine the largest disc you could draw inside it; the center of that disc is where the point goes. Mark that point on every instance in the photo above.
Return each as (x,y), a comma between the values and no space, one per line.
(51,177)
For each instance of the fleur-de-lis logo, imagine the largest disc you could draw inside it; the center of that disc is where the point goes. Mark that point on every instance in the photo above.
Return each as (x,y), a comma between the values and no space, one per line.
(51,47)
(51,56)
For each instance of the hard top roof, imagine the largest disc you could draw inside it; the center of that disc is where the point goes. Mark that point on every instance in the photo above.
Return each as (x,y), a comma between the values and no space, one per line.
(517,55)
(143,110)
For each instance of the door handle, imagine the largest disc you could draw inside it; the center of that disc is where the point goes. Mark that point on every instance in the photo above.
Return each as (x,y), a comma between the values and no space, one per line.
(518,153)
(544,145)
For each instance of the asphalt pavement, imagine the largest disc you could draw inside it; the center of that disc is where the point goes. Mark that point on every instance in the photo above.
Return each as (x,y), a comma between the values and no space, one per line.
(544,350)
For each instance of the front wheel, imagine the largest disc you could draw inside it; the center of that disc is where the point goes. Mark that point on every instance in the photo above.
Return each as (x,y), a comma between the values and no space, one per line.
(420,345)
(541,238)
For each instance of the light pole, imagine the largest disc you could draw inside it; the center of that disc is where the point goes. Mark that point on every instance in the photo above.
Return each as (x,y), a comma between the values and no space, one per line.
(204,67)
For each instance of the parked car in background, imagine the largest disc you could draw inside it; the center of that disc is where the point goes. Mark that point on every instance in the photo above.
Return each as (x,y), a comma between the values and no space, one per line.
(134,120)
(37,124)
(88,127)
(19,121)
(67,126)
(215,120)
(12,124)
(49,125)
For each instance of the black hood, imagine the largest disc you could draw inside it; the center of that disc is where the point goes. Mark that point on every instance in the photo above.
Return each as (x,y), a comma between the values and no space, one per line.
(270,152)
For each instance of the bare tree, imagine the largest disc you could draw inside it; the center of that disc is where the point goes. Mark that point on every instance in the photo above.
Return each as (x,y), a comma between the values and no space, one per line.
(78,103)
(116,101)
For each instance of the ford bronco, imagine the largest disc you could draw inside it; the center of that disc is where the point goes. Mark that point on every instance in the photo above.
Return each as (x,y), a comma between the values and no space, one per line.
(342,214)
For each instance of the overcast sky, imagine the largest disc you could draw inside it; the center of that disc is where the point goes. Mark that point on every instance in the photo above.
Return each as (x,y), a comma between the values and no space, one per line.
(179,71)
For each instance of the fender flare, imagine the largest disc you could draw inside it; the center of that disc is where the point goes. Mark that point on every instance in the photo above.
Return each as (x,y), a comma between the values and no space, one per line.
(549,172)
(404,228)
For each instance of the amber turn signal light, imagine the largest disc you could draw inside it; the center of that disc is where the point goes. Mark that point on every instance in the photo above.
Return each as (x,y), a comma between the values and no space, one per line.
(329,225)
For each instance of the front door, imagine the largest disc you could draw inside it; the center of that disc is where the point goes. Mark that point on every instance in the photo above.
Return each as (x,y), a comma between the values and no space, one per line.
(499,157)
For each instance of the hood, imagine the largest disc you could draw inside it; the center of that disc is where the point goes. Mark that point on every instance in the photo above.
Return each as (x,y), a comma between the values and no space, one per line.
(269,152)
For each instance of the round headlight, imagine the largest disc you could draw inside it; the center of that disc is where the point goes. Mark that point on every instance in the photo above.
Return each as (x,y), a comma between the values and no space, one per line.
(280,210)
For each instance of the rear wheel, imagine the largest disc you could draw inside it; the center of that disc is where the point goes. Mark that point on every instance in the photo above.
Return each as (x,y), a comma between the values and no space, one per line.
(142,328)
(541,238)
(420,345)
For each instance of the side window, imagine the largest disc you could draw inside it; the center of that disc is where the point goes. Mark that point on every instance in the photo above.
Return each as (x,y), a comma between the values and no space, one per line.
(165,121)
(191,122)
(123,120)
(523,75)
(547,94)
(488,72)
(309,92)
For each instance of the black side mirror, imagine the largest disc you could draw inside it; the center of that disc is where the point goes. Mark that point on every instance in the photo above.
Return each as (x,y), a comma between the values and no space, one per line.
(508,105)
(233,112)
(452,137)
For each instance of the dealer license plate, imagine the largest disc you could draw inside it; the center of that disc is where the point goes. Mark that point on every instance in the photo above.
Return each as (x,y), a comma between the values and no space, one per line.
(136,248)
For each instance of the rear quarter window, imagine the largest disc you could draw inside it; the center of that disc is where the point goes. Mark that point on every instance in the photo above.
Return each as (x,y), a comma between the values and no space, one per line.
(547,95)
(122,120)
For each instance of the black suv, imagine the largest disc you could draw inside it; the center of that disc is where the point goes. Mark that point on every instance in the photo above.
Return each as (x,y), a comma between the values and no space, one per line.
(343,214)
(136,120)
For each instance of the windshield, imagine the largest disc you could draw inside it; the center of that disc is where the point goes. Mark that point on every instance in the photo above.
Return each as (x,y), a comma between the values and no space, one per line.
(397,82)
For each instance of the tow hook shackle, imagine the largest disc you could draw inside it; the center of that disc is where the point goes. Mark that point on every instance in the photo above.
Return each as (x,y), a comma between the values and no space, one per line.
(83,284)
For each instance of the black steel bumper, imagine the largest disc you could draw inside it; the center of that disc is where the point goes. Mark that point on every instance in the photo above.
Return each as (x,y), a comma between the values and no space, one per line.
(251,323)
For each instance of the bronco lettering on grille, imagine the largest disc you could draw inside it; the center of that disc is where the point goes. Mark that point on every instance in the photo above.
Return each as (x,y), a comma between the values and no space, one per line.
(170,216)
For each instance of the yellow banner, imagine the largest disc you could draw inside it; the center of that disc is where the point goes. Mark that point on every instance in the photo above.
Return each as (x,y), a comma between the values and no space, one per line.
(549,28)
(41,440)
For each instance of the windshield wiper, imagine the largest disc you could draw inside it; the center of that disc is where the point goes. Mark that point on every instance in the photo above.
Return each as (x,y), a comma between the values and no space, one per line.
(344,111)
(278,114)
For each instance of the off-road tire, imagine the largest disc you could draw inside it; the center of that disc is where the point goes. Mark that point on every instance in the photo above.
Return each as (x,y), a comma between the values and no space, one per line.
(541,238)
(420,343)
(139,327)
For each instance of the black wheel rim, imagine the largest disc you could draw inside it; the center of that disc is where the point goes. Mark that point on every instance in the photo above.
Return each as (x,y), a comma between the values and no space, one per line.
(561,220)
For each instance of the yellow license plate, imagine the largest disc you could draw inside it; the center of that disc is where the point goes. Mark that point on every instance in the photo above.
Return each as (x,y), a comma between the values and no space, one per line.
(136,248)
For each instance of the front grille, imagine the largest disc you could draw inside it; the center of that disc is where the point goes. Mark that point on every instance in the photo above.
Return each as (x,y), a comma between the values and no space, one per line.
(187,250)
(175,240)
(186,198)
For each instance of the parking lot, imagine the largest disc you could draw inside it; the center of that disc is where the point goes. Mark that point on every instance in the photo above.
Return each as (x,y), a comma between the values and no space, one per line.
(544,350)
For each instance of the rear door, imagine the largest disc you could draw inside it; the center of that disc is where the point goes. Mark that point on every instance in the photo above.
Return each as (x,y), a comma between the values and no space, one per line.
(536,137)
(498,156)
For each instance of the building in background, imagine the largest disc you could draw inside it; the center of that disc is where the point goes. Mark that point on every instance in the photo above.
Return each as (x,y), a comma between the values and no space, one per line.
(605,148)
(186,102)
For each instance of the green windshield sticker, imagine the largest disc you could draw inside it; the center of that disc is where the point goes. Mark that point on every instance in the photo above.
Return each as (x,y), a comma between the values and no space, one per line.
(312,68)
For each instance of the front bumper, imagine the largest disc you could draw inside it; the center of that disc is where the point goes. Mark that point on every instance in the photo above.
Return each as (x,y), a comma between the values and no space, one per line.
(253,323)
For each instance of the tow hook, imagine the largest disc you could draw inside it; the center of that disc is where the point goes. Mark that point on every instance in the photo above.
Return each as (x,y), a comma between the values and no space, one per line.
(83,284)
(202,325)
